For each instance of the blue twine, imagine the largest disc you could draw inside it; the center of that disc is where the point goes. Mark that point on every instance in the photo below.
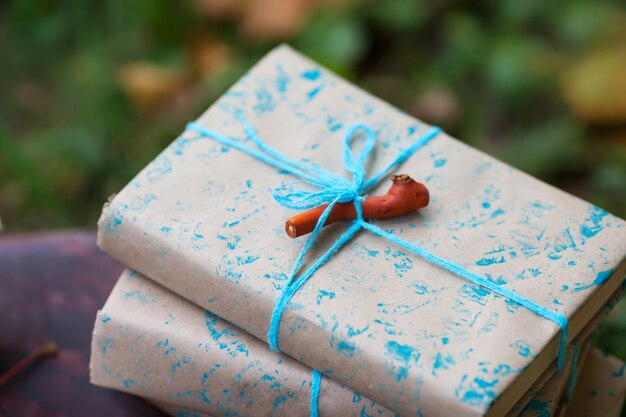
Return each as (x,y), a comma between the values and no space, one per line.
(316,382)
(326,187)
(571,383)
(477,279)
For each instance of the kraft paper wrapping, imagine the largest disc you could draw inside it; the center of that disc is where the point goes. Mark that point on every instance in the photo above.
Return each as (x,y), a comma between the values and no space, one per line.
(601,387)
(151,342)
(200,220)
(552,397)
(548,397)
(593,403)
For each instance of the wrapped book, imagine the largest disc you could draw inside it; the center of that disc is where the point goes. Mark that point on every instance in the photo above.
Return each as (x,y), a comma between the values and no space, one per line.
(413,336)
(601,389)
(604,400)
(150,342)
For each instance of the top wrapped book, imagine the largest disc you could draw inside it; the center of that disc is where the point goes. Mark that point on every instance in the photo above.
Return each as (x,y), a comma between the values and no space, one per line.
(201,220)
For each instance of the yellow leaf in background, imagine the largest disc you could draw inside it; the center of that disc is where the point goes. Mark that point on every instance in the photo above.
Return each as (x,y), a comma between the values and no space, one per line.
(265,19)
(207,56)
(149,86)
(275,19)
(595,87)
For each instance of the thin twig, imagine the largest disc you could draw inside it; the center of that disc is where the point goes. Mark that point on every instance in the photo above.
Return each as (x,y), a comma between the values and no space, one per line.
(49,348)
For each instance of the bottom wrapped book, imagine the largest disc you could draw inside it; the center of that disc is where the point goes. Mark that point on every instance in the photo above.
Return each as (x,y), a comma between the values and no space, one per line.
(599,393)
(601,388)
(150,342)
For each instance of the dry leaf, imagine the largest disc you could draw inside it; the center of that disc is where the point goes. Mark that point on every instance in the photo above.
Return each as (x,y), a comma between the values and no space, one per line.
(275,19)
(148,85)
(595,87)
(207,56)
(262,19)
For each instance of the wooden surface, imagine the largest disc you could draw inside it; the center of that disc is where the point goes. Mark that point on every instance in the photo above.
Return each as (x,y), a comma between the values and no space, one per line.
(51,286)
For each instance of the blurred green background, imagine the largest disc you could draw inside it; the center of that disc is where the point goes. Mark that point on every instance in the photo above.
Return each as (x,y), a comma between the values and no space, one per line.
(92,90)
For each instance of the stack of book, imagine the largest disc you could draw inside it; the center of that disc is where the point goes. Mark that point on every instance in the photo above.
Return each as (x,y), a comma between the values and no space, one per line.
(489,316)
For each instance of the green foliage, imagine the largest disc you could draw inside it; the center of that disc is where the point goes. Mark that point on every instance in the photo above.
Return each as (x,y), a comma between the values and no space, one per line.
(335,39)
